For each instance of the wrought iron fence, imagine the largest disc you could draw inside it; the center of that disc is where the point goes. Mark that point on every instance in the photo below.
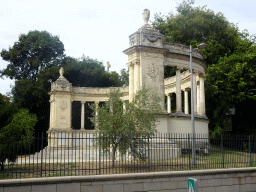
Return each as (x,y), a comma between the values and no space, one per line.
(84,153)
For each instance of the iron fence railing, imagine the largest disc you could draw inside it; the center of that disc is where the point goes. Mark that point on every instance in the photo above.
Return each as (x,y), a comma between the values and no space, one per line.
(63,154)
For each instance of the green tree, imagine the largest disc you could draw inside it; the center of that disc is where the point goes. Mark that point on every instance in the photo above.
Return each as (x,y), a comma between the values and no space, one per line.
(33,52)
(120,127)
(7,109)
(234,76)
(16,135)
(125,77)
(199,25)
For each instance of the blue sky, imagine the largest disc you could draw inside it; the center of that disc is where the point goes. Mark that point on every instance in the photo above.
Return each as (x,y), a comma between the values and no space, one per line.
(99,29)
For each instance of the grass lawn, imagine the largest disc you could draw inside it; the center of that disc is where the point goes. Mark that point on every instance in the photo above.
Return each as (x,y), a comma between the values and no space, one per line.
(215,159)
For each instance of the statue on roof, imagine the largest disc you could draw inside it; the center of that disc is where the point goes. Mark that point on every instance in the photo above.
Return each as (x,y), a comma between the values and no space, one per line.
(145,16)
(61,71)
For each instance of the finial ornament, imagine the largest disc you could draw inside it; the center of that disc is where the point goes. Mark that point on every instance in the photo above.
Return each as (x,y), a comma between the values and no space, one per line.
(61,71)
(145,16)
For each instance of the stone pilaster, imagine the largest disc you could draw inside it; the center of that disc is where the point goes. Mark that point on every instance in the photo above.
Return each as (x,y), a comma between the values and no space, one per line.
(131,81)
(71,101)
(50,126)
(178,91)
(202,95)
(136,76)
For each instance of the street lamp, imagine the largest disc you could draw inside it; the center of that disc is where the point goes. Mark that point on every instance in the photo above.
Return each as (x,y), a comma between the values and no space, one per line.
(201,46)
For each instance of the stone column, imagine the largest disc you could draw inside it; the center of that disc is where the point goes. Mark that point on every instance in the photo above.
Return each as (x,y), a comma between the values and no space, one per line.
(124,108)
(202,95)
(195,92)
(97,105)
(96,111)
(198,96)
(186,100)
(82,114)
(136,76)
(178,91)
(169,104)
(131,81)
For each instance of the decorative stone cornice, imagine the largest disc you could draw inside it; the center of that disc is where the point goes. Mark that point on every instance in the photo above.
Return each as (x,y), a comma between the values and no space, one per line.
(140,48)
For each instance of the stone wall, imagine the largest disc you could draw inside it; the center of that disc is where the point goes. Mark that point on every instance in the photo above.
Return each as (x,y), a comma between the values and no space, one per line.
(235,179)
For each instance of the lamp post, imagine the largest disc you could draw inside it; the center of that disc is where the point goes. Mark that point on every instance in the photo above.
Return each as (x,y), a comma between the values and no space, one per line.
(201,46)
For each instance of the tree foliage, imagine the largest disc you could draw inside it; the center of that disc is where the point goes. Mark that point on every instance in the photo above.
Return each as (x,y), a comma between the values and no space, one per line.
(125,77)
(33,52)
(231,81)
(7,109)
(199,25)
(120,126)
(16,135)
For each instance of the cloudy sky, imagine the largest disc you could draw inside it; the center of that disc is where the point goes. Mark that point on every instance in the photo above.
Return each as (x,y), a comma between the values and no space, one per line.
(97,28)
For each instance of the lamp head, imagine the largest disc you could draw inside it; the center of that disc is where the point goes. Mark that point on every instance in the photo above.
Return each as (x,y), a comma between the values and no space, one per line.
(202,46)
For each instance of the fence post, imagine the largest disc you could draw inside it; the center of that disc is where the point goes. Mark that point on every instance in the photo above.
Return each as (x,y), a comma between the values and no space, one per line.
(222,151)
(148,155)
(42,154)
(250,151)
(189,153)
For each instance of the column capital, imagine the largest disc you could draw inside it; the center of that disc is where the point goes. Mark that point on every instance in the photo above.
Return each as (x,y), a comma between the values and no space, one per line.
(97,102)
(130,64)
(194,71)
(83,102)
(177,68)
(187,89)
(201,75)
(136,62)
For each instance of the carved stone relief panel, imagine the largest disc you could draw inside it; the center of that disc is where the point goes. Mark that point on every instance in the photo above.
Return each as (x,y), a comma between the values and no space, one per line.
(152,71)
(63,105)
(134,40)
(63,120)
